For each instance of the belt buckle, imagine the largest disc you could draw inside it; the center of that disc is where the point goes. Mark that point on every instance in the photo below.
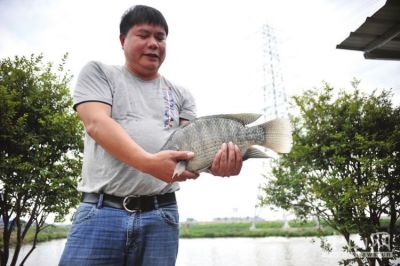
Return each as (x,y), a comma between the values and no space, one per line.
(126,202)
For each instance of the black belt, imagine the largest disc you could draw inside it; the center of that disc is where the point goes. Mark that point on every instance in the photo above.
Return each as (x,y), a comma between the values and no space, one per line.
(131,203)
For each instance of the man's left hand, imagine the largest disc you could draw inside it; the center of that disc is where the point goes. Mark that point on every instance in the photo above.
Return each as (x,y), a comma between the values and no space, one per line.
(228,161)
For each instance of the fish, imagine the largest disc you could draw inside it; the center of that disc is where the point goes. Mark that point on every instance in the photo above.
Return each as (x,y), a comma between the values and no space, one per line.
(205,135)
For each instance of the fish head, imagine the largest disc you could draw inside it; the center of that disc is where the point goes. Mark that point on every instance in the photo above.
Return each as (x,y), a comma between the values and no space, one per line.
(171,145)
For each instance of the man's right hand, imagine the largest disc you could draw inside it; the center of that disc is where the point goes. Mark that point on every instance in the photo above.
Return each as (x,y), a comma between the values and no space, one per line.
(163,163)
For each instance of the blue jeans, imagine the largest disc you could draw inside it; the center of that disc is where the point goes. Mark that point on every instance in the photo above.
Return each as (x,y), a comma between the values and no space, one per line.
(108,236)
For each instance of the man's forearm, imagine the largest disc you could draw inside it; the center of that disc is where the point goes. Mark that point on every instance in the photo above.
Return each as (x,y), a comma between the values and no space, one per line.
(111,136)
(116,141)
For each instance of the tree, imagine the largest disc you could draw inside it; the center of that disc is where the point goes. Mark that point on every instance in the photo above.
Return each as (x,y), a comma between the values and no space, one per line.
(41,143)
(344,167)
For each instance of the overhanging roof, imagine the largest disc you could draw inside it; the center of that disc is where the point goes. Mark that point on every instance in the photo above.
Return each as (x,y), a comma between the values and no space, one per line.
(379,36)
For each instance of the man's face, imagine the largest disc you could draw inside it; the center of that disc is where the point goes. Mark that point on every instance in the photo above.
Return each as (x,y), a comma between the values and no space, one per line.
(144,47)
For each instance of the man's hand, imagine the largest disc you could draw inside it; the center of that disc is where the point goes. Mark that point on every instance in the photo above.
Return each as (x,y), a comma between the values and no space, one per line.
(163,163)
(228,161)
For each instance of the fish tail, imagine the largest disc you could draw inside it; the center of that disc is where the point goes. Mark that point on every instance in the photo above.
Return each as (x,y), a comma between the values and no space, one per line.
(278,135)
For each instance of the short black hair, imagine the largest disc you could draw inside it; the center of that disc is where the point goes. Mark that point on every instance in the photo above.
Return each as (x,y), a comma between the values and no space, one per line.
(141,14)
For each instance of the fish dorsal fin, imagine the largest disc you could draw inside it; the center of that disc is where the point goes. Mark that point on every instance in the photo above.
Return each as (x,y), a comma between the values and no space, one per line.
(254,153)
(244,118)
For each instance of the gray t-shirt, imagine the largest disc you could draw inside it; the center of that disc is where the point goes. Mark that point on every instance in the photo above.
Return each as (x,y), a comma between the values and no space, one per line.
(148,110)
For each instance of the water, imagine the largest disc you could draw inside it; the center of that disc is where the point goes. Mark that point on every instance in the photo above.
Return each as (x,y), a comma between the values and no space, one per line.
(46,253)
(276,251)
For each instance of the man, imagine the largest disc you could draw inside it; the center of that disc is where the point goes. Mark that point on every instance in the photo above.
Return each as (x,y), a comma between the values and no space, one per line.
(128,214)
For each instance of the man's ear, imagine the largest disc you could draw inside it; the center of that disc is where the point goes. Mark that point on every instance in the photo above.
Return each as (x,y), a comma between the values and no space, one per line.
(122,40)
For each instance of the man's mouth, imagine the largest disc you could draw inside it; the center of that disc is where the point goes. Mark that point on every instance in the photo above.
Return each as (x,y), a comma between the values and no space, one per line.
(152,55)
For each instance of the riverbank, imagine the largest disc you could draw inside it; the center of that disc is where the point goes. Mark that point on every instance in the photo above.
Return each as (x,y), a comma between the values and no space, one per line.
(51,232)
(293,228)
(207,230)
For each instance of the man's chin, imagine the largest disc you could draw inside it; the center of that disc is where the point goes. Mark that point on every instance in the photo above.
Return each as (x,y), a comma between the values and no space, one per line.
(152,67)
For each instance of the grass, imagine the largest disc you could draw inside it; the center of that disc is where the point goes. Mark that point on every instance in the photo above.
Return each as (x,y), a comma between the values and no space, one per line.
(263,229)
(49,233)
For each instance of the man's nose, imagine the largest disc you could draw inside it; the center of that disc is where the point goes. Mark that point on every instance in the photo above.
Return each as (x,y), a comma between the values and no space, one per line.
(153,43)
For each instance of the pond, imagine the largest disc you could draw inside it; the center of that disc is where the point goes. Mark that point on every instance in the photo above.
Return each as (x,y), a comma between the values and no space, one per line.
(276,251)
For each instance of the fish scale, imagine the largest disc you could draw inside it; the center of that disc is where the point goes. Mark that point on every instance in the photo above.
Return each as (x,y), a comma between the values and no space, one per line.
(205,135)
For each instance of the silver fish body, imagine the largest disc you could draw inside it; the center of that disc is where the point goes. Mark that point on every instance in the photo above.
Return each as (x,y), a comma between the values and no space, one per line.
(205,135)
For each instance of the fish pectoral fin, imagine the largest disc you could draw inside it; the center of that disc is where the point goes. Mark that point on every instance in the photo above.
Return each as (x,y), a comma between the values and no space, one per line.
(244,118)
(179,168)
(254,153)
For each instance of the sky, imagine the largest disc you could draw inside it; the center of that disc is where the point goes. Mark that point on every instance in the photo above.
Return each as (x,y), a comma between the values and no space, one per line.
(216,49)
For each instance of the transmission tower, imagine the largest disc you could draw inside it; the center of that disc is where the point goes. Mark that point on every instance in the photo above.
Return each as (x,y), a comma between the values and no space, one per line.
(275,102)
(275,99)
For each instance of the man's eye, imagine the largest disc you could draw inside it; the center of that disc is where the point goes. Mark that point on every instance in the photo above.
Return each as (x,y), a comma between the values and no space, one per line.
(160,37)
